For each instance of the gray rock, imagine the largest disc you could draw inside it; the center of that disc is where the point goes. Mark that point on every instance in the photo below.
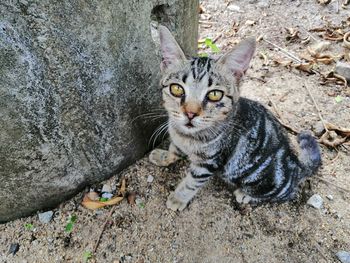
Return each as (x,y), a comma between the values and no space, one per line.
(150,179)
(318,128)
(343,69)
(45,217)
(343,256)
(74,75)
(315,201)
(107,195)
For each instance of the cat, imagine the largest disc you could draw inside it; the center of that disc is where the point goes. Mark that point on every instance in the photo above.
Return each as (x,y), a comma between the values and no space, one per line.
(224,134)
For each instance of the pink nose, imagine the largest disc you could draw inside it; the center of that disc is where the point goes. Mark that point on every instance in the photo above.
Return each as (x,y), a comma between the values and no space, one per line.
(191,115)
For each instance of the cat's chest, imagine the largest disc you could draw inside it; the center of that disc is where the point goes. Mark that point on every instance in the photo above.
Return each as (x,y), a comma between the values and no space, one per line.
(194,149)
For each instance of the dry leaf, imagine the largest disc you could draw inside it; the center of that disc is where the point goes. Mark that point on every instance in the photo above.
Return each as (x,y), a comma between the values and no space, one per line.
(93,196)
(293,34)
(284,63)
(335,135)
(91,199)
(333,78)
(319,47)
(131,198)
(91,204)
(325,59)
(122,189)
(346,40)
(306,67)
(265,58)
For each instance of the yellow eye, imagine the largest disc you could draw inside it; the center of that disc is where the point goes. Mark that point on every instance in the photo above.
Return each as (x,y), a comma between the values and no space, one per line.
(215,95)
(176,90)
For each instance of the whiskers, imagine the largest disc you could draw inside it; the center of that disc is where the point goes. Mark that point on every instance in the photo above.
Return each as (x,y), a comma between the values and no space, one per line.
(163,128)
(152,115)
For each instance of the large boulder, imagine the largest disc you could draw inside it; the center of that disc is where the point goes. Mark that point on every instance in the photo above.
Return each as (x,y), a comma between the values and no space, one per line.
(74,75)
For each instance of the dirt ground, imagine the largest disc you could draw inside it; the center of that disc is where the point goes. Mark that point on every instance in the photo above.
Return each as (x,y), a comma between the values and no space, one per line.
(214,228)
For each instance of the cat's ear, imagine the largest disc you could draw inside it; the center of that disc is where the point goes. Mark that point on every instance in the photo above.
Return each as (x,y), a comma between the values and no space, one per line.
(171,51)
(237,60)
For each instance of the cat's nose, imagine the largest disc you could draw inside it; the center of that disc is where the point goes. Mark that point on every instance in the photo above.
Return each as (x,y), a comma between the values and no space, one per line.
(191,115)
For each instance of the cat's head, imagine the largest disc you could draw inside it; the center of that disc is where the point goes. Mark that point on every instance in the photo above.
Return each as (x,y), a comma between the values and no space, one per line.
(199,93)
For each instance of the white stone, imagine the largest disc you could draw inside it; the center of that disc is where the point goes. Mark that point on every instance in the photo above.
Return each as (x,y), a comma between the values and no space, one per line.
(343,256)
(45,217)
(315,201)
(150,179)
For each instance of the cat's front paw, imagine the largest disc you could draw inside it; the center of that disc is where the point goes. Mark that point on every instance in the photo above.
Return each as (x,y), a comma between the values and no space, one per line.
(161,157)
(241,197)
(175,203)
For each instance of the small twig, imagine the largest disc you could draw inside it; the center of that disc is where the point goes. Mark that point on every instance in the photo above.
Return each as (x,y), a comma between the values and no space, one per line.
(308,33)
(103,228)
(335,158)
(217,37)
(316,106)
(333,184)
(122,191)
(287,53)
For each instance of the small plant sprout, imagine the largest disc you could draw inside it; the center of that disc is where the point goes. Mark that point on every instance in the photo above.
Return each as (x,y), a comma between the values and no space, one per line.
(29,227)
(70,224)
(86,256)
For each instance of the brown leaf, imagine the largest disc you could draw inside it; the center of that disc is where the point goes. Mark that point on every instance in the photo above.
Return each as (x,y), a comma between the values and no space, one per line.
(346,40)
(293,34)
(265,58)
(131,198)
(122,189)
(319,47)
(334,135)
(91,204)
(306,67)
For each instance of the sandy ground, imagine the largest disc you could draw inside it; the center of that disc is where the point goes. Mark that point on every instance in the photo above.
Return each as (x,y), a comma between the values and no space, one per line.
(214,228)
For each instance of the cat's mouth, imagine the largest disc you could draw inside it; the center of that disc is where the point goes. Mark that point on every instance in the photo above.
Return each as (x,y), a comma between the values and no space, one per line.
(189,125)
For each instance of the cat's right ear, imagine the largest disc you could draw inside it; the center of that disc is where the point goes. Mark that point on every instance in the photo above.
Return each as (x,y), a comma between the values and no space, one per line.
(170,49)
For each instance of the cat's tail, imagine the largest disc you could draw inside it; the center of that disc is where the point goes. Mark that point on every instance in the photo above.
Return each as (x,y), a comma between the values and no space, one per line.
(310,154)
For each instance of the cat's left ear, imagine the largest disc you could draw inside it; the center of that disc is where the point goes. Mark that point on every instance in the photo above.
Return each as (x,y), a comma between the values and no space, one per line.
(171,51)
(237,60)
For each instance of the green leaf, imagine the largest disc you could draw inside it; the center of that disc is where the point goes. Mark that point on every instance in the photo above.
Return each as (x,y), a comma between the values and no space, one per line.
(70,224)
(103,199)
(87,255)
(209,43)
(69,227)
(142,205)
(338,99)
(29,226)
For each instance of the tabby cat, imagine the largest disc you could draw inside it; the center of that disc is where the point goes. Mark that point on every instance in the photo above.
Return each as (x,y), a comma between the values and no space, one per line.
(224,134)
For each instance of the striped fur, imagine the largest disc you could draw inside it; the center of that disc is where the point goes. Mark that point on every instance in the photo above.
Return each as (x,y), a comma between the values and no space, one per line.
(235,138)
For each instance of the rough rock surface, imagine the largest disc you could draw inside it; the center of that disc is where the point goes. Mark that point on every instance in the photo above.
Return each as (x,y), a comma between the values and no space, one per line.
(73,74)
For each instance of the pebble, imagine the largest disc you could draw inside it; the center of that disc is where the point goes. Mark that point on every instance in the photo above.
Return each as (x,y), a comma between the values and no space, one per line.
(315,201)
(343,69)
(107,195)
(234,8)
(343,256)
(150,179)
(14,247)
(106,188)
(318,128)
(45,217)
(330,197)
